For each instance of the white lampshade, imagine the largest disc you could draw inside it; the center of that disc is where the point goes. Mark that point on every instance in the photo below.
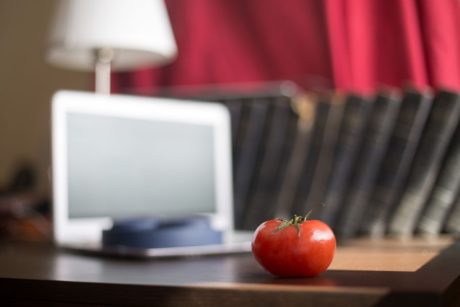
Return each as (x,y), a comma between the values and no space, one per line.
(138,31)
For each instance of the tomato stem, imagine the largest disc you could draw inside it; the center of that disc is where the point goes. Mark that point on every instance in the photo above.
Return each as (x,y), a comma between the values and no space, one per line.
(295,221)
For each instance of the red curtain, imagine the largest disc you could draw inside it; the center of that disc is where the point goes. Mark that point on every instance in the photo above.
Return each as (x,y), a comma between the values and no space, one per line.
(352,45)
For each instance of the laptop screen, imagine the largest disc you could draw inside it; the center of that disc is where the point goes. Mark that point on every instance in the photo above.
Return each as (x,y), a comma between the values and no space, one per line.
(124,167)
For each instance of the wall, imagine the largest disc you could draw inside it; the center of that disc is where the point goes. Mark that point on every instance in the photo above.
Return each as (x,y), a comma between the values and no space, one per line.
(27,84)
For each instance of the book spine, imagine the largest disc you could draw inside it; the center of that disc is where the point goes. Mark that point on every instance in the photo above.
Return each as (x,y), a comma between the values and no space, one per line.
(396,164)
(435,140)
(305,110)
(286,155)
(236,109)
(355,120)
(262,203)
(367,163)
(453,221)
(323,168)
(307,173)
(238,139)
(248,157)
(446,189)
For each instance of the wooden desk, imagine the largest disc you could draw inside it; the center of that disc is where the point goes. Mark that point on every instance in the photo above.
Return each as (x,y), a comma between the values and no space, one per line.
(364,273)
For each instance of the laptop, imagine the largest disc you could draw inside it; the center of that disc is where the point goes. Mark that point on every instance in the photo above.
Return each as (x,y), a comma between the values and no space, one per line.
(118,157)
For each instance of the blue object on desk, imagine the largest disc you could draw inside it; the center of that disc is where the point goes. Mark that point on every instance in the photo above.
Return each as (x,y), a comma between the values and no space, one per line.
(155,233)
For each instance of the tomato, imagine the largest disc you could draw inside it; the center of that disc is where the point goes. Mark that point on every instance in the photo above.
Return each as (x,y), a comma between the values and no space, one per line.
(294,248)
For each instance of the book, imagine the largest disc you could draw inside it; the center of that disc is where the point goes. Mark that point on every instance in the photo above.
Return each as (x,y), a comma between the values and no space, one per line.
(452,223)
(235,106)
(307,172)
(261,205)
(367,163)
(395,166)
(323,168)
(443,196)
(240,133)
(354,122)
(279,181)
(435,140)
(245,167)
(305,110)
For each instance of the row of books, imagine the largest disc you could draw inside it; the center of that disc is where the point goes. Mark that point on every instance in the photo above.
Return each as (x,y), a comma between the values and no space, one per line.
(386,164)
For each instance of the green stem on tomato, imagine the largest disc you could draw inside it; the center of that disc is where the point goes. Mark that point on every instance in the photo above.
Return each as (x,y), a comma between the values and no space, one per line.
(295,221)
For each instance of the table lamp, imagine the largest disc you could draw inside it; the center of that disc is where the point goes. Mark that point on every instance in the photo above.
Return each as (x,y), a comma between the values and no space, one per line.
(102,35)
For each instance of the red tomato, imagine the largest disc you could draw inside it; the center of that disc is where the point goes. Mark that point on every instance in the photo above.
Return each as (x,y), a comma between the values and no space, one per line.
(294,248)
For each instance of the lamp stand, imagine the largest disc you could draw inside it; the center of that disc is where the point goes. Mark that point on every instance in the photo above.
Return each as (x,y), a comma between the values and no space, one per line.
(104,58)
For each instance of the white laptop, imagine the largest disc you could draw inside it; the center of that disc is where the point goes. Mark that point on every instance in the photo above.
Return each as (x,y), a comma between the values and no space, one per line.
(117,157)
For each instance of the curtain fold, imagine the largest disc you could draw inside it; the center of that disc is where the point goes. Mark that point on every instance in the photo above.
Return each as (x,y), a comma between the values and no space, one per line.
(349,45)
